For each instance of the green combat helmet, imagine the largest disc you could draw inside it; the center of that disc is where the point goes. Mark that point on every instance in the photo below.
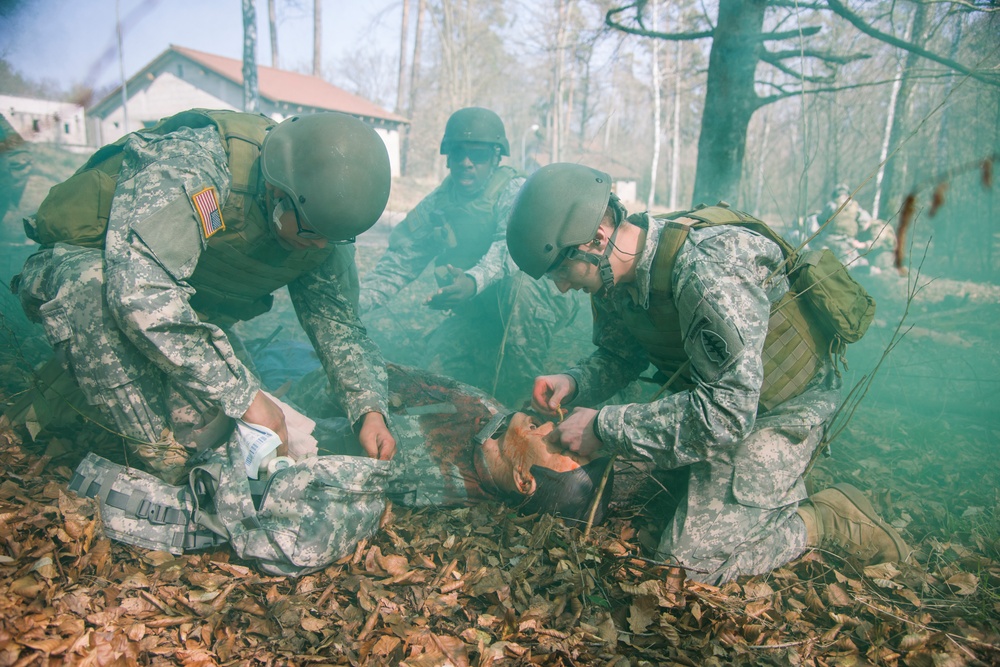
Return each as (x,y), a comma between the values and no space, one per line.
(335,169)
(560,206)
(475,124)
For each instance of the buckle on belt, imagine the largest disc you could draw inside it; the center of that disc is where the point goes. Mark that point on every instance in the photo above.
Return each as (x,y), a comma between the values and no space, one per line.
(156,514)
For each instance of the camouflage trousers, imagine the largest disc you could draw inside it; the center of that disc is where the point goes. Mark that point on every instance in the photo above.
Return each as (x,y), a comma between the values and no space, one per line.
(63,288)
(739,515)
(499,342)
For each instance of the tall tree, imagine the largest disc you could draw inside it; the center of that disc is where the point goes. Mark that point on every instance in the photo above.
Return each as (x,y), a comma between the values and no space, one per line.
(317,37)
(272,24)
(739,45)
(251,96)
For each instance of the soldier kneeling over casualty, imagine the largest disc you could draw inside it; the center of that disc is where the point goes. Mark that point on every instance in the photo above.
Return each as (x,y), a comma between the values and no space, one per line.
(456,446)
(724,309)
(172,234)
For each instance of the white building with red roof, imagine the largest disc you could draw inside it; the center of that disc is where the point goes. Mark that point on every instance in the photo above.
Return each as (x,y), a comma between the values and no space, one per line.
(181,78)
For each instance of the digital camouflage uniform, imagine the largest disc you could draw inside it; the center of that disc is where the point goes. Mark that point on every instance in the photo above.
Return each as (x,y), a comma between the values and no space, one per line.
(746,465)
(121,317)
(508,323)
(845,230)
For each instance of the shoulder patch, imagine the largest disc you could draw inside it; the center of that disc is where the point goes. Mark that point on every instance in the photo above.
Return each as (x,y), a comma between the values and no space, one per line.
(715,346)
(206,203)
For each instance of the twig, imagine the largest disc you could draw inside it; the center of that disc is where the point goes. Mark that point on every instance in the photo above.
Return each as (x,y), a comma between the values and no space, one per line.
(598,494)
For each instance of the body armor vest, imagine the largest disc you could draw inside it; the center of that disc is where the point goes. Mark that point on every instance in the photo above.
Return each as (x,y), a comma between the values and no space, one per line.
(469,227)
(242,264)
(793,348)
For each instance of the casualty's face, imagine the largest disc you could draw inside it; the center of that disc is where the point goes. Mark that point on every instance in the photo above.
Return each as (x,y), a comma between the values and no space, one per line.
(471,163)
(507,457)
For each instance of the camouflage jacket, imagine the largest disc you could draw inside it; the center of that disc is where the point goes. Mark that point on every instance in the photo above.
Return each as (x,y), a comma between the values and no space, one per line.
(416,242)
(722,292)
(147,272)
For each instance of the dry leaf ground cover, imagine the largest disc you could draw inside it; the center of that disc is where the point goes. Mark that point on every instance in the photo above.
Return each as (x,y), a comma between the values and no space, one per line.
(483,586)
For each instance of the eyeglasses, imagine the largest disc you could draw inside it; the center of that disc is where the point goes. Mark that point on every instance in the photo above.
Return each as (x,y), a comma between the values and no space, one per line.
(476,154)
(302,232)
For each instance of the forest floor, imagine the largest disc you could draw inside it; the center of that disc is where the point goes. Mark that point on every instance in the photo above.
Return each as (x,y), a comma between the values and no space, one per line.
(482,586)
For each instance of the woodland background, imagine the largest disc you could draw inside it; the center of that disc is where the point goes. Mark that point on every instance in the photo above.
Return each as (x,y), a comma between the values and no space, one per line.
(766,104)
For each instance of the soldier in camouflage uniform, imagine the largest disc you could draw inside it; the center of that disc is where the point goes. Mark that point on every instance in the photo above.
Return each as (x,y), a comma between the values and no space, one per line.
(212,212)
(696,300)
(845,225)
(501,322)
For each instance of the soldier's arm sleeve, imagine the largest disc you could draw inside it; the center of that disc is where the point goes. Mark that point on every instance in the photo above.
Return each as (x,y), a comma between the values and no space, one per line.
(153,244)
(724,310)
(411,248)
(618,359)
(496,263)
(326,308)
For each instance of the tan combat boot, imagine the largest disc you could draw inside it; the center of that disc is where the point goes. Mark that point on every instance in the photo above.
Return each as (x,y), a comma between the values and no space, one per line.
(842,518)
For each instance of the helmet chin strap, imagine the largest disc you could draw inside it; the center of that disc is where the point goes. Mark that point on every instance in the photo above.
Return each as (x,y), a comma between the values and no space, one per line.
(602,261)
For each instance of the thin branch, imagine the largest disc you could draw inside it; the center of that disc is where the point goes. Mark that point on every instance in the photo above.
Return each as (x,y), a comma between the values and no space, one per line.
(670,37)
(825,56)
(841,10)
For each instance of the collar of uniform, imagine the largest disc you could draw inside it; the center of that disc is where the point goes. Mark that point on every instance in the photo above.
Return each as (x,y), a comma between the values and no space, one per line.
(639,289)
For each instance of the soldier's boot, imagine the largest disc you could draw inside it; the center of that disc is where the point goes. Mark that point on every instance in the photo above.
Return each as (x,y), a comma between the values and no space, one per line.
(842,519)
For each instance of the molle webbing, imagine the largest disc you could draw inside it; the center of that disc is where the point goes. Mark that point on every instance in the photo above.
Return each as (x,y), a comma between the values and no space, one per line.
(137,508)
(793,348)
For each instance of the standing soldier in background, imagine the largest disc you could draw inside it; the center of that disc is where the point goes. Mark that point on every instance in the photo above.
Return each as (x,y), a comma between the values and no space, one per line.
(501,323)
(164,239)
(702,295)
(15,162)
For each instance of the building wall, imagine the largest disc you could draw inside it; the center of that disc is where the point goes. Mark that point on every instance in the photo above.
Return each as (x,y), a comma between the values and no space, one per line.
(46,121)
(163,96)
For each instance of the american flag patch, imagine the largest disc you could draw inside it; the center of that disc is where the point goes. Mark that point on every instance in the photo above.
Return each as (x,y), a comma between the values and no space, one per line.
(207,205)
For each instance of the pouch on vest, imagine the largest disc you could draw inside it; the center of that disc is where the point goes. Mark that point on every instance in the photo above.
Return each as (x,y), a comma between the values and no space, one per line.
(842,306)
(139,509)
(309,515)
(75,211)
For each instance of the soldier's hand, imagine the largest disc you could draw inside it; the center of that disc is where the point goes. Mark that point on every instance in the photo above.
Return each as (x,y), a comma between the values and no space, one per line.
(551,391)
(265,412)
(461,289)
(576,434)
(375,437)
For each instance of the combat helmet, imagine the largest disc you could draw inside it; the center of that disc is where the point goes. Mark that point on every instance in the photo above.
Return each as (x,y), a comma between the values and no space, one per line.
(335,169)
(474,124)
(560,206)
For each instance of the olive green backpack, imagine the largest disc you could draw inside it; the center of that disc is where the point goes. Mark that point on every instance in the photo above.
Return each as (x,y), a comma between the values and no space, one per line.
(842,307)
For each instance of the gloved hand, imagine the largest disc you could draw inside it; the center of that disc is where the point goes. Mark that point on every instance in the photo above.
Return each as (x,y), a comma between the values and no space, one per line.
(460,288)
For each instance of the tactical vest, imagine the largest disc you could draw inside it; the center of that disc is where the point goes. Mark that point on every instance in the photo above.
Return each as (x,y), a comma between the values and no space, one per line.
(241,265)
(793,348)
(469,227)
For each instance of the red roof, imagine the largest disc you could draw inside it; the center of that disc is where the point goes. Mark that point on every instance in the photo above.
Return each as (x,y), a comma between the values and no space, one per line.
(300,89)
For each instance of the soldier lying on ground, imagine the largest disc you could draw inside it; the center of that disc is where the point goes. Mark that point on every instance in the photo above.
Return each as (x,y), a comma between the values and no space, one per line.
(456,445)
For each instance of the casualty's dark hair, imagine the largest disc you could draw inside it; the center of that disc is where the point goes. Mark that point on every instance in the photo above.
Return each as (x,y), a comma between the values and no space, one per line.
(569,494)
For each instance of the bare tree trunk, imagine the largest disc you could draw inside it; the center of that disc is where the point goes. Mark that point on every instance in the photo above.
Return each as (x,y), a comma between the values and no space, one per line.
(317,37)
(655,165)
(415,69)
(761,152)
(895,169)
(675,158)
(403,36)
(730,100)
(558,88)
(251,97)
(272,22)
